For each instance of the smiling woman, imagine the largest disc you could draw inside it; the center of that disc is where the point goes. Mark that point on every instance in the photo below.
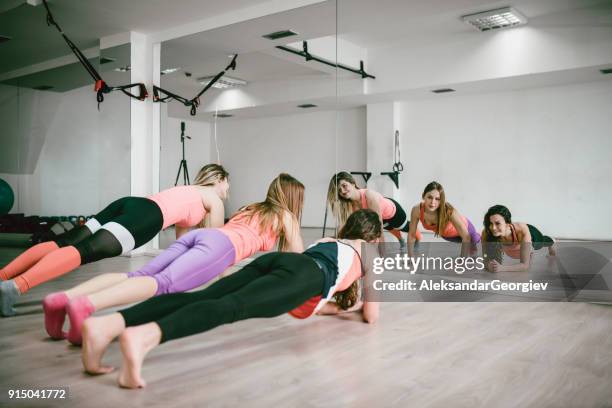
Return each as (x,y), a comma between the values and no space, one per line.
(437,215)
(516,239)
(344,198)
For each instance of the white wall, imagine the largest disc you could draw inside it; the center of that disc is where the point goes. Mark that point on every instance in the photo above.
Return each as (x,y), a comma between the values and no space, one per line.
(84,163)
(24,114)
(255,151)
(545,153)
(197,150)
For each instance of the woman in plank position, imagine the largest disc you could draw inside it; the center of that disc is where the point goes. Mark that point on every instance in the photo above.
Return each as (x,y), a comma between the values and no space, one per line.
(125,224)
(271,285)
(193,260)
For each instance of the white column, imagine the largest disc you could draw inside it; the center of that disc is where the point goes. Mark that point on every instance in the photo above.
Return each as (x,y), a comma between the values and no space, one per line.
(145,116)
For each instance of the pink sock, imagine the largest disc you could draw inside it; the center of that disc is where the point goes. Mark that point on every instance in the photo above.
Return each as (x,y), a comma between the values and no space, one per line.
(79,309)
(54,306)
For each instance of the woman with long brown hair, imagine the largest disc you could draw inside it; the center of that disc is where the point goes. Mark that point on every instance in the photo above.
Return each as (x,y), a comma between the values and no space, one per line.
(191,261)
(344,198)
(439,216)
(271,285)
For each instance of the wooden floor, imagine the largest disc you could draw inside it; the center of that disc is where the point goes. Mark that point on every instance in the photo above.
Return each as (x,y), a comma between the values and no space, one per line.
(417,355)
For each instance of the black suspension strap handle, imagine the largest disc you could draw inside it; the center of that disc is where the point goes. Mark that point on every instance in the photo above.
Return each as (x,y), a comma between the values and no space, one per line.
(162,95)
(102,88)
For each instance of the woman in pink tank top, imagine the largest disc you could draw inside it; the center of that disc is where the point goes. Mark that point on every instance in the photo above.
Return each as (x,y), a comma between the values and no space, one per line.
(516,239)
(439,216)
(125,224)
(196,257)
(344,198)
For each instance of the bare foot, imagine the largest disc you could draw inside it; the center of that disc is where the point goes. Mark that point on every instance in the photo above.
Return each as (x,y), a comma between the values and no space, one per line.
(97,335)
(135,343)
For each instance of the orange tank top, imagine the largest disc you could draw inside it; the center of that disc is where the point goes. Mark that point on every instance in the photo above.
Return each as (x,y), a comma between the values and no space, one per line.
(180,205)
(349,270)
(387,208)
(246,236)
(513,250)
(449,231)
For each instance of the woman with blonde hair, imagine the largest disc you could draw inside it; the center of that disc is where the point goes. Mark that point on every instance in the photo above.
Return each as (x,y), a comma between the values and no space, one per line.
(125,224)
(439,216)
(344,198)
(271,285)
(191,261)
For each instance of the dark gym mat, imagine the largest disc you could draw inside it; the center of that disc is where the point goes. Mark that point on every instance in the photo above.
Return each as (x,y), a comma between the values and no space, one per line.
(12,245)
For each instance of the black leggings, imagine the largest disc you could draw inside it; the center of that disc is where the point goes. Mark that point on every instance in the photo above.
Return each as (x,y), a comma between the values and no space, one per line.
(271,285)
(399,220)
(139,217)
(539,241)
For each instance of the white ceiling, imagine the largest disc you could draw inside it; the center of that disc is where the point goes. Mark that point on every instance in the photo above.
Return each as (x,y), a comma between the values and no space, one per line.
(382,23)
(206,53)
(365,23)
(86,21)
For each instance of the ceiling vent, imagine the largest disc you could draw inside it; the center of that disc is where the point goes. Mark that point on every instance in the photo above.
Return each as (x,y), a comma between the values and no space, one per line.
(495,19)
(4,38)
(43,87)
(280,34)
(307,105)
(606,71)
(443,90)
(106,60)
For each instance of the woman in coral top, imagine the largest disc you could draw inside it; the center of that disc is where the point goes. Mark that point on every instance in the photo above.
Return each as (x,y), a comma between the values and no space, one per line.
(191,261)
(344,198)
(271,285)
(125,224)
(439,216)
(516,239)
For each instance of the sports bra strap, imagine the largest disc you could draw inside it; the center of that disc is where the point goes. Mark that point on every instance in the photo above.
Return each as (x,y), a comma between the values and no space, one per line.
(364,201)
(358,256)
(514,234)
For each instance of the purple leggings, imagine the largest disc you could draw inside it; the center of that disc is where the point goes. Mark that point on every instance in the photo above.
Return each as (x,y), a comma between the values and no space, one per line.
(192,260)
(475,236)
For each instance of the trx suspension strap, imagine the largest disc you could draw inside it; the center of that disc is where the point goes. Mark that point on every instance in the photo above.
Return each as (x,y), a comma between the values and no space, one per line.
(101,87)
(397,166)
(161,95)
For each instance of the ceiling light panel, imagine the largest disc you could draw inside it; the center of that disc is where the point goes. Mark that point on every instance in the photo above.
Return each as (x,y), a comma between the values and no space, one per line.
(224,82)
(495,19)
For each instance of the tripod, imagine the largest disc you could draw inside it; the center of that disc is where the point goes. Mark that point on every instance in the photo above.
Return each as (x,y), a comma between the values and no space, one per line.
(183,164)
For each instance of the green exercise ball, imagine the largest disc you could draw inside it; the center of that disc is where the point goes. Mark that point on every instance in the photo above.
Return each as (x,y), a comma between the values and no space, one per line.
(7,198)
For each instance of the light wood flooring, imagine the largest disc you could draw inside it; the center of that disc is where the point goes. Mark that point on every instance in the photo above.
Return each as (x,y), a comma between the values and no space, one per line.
(417,355)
